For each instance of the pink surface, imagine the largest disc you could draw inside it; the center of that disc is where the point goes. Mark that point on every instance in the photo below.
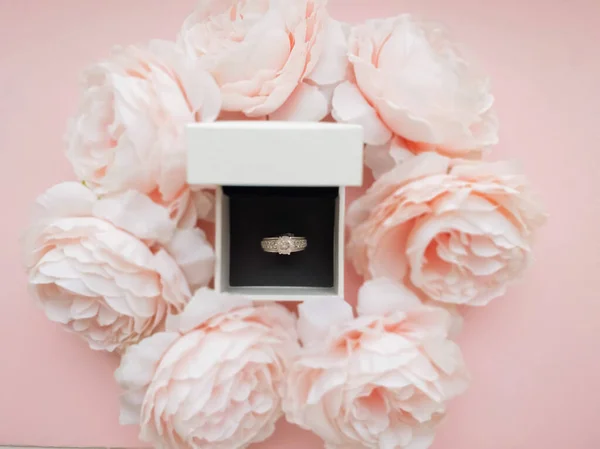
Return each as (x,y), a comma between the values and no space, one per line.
(534,355)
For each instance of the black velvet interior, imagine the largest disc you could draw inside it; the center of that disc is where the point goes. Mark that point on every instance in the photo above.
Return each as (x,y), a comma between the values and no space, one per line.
(259,212)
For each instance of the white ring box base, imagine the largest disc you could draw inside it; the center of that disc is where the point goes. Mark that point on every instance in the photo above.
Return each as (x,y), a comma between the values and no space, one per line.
(275,154)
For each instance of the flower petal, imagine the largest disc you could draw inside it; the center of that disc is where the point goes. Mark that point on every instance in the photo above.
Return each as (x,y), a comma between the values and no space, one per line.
(349,106)
(332,66)
(382,296)
(317,316)
(68,199)
(194,255)
(306,104)
(205,304)
(138,214)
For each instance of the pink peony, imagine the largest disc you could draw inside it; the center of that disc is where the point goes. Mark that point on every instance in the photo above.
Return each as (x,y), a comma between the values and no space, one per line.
(270,57)
(458,231)
(212,380)
(112,269)
(381,380)
(410,81)
(128,132)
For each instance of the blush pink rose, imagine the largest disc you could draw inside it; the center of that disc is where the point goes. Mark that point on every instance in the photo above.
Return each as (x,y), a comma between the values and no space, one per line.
(212,380)
(111,269)
(381,380)
(409,80)
(128,131)
(270,57)
(458,231)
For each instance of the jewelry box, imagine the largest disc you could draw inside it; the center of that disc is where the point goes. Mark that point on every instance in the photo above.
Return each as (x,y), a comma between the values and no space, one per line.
(277,180)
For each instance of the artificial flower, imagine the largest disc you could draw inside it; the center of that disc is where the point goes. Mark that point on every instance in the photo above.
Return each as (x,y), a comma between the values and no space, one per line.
(378,380)
(270,57)
(111,269)
(128,133)
(409,80)
(212,380)
(458,231)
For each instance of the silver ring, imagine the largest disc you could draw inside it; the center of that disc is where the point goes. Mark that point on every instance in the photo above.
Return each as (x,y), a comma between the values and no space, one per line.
(284,244)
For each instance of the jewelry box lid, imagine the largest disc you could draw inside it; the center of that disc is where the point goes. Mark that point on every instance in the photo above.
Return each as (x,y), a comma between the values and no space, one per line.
(255,153)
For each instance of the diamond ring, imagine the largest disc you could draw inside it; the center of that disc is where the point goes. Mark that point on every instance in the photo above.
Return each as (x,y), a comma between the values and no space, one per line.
(284,244)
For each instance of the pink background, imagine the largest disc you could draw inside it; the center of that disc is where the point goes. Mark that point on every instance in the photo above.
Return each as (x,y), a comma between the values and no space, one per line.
(534,355)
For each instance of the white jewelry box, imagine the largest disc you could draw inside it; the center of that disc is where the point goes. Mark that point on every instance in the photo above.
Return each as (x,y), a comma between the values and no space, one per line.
(270,177)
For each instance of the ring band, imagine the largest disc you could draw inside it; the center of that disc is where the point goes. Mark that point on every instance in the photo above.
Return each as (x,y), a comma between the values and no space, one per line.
(284,244)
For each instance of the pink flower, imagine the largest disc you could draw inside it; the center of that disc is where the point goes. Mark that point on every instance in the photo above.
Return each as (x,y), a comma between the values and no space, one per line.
(270,57)
(381,380)
(212,380)
(112,269)
(128,132)
(411,81)
(458,231)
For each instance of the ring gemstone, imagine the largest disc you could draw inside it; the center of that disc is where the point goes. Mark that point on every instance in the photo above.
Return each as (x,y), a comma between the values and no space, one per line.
(284,244)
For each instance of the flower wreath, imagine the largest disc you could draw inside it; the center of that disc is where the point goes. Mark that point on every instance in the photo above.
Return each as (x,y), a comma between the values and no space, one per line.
(120,258)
